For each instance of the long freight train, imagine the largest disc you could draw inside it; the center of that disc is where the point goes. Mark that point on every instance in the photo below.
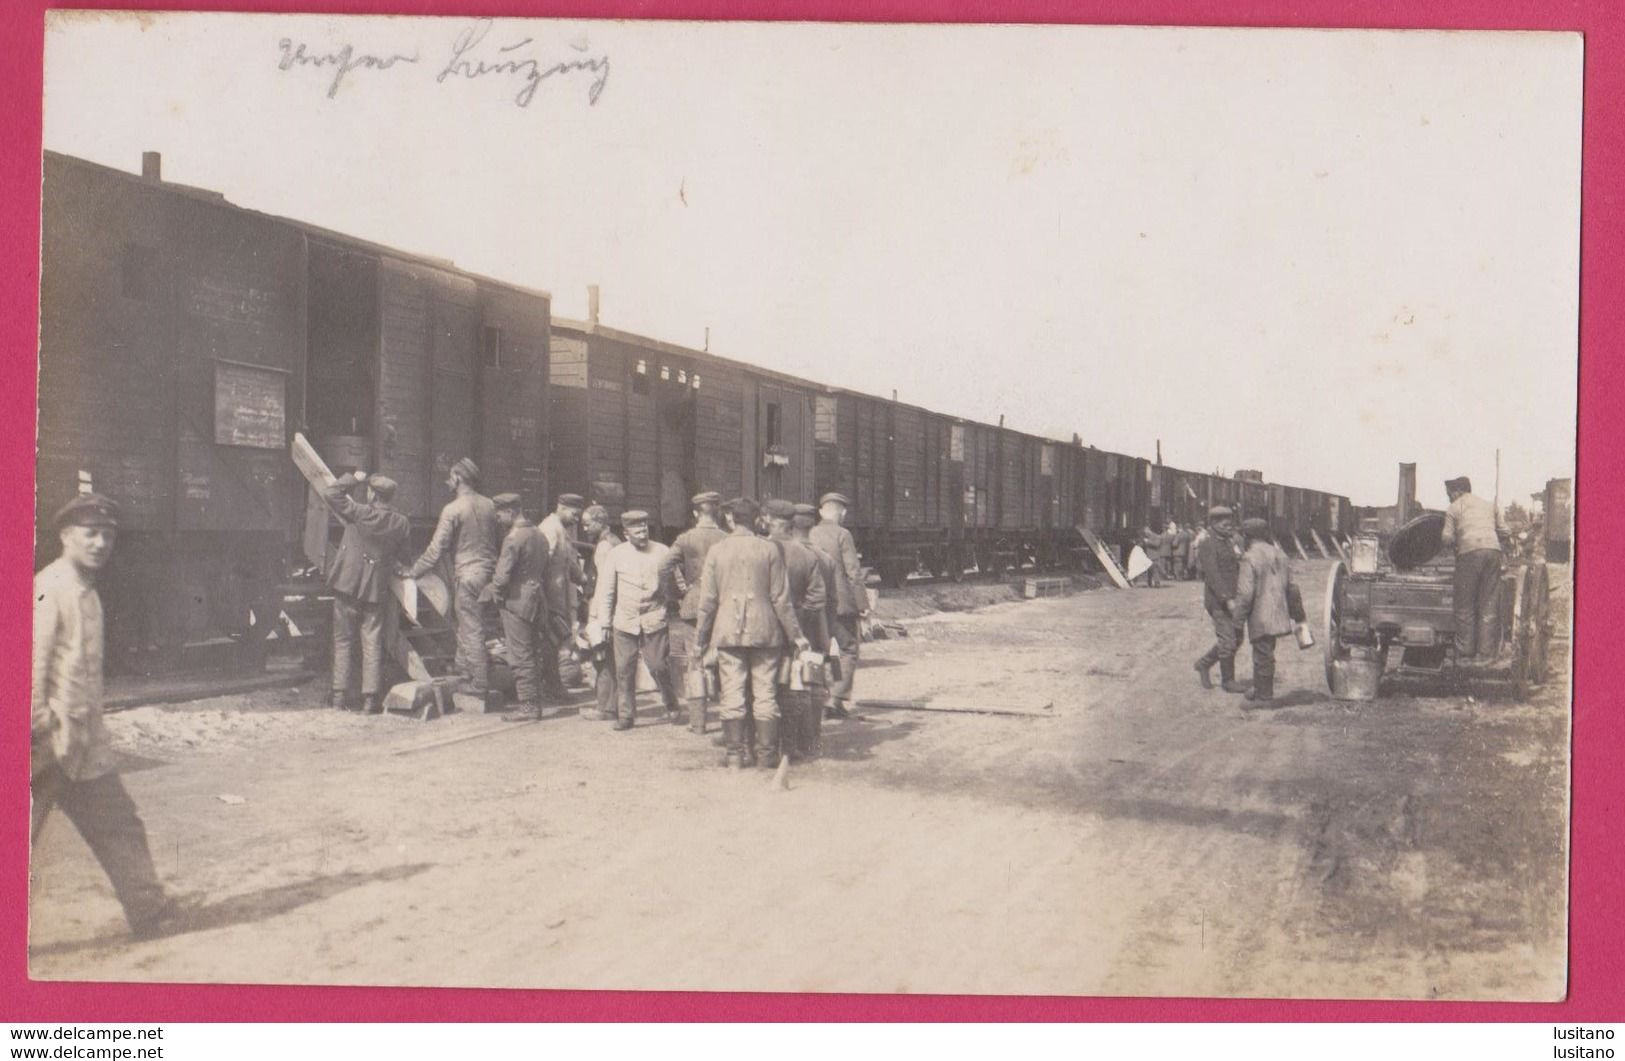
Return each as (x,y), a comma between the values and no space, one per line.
(184,340)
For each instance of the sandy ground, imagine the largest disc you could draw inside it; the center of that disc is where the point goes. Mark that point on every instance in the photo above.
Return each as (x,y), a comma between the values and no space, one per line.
(1144,837)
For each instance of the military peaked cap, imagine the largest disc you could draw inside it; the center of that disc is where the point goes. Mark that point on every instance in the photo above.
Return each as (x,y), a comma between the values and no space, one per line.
(467,470)
(88,510)
(832,496)
(709,497)
(383,486)
(506,501)
(780,509)
(632,516)
(572,501)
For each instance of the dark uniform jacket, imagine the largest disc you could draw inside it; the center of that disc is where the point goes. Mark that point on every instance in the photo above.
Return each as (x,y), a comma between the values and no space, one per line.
(850,595)
(564,571)
(1219,562)
(468,528)
(375,539)
(685,563)
(825,629)
(744,596)
(805,576)
(520,570)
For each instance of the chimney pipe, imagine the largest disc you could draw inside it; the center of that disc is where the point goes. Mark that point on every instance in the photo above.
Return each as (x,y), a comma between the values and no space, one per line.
(592,303)
(152,165)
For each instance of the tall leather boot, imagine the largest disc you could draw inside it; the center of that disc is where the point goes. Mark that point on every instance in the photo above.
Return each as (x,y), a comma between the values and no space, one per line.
(812,723)
(733,736)
(791,711)
(1263,689)
(1204,670)
(747,737)
(1227,677)
(767,743)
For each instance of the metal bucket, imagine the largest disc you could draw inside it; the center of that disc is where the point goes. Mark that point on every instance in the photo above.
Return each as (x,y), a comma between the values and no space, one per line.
(1353,678)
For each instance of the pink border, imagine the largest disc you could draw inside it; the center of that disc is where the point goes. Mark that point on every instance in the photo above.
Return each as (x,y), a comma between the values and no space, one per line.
(1598,926)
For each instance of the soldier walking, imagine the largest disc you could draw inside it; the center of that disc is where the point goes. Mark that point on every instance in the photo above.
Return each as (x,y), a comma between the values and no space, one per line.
(683,565)
(851,598)
(804,577)
(595,528)
(467,531)
(564,576)
(631,598)
(1218,560)
(73,761)
(521,602)
(743,622)
(374,544)
(1264,590)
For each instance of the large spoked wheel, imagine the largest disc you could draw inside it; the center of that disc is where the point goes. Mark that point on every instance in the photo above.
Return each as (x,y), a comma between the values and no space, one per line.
(1335,580)
(1531,625)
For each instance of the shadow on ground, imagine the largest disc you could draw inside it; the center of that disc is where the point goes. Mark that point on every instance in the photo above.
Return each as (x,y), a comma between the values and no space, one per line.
(254,906)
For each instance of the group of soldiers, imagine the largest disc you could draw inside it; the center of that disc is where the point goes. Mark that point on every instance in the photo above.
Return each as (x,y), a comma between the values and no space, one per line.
(1247,587)
(763,595)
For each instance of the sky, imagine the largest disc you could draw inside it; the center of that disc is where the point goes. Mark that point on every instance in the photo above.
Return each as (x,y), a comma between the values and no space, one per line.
(1314,253)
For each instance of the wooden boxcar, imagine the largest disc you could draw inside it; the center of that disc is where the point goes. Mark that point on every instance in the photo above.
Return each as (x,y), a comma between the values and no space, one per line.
(640,423)
(185,339)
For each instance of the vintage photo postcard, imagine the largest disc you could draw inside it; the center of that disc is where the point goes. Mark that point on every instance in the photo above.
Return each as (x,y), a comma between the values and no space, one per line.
(805,507)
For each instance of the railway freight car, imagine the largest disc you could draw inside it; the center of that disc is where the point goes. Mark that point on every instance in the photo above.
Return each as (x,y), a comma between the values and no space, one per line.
(641,423)
(185,339)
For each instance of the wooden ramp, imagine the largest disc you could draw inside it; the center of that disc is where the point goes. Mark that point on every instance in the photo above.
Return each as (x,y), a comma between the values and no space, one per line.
(1103,555)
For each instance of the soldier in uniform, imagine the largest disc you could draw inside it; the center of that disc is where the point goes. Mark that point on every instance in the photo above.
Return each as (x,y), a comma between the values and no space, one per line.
(467,531)
(564,576)
(517,589)
(1264,601)
(631,599)
(1217,559)
(683,565)
(851,598)
(374,544)
(816,628)
(595,528)
(805,578)
(73,762)
(743,621)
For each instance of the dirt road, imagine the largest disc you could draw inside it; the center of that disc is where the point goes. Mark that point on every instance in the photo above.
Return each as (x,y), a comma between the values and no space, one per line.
(1146,838)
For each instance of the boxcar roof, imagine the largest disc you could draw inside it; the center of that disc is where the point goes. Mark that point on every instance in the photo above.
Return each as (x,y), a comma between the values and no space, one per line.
(587,328)
(208,196)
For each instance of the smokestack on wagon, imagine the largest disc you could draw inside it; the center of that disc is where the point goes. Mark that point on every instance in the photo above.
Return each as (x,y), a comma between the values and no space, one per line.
(592,303)
(152,166)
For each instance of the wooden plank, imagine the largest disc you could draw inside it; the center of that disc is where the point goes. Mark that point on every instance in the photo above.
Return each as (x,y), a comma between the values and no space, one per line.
(316,472)
(1045,711)
(1101,554)
(1319,542)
